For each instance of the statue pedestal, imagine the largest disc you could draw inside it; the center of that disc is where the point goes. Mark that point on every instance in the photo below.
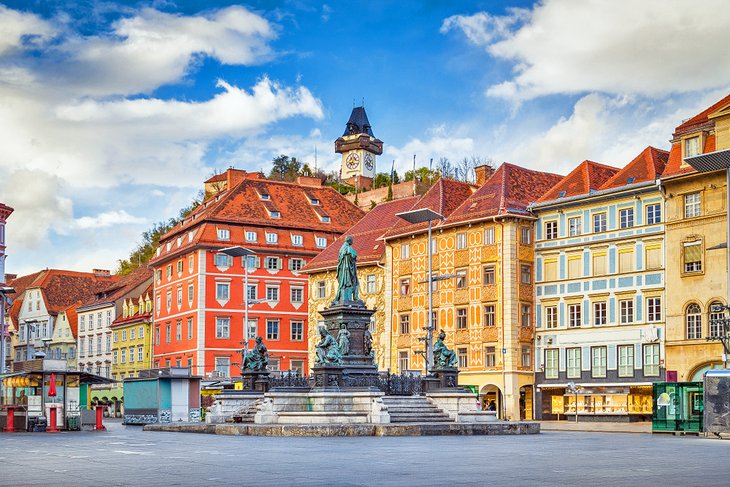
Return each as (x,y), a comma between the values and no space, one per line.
(255,380)
(328,377)
(440,379)
(359,370)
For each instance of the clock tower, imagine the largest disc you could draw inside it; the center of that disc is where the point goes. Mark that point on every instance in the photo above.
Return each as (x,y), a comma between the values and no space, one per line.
(358,147)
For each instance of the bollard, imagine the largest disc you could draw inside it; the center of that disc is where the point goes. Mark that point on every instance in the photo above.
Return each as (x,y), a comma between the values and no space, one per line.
(99,416)
(52,420)
(10,426)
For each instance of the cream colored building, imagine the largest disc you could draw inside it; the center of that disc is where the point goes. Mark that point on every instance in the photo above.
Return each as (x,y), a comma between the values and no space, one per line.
(696,244)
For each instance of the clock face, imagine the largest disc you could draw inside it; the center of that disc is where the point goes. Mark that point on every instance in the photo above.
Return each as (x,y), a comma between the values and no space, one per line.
(369,162)
(352,161)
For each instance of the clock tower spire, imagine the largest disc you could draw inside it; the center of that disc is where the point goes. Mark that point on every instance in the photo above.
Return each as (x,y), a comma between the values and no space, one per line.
(358,146)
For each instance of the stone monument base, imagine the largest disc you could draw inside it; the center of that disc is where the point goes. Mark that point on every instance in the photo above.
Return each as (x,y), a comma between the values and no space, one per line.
(441,379)
(322,407)
(230,404)
(328,377)
(255,380)
(462,406)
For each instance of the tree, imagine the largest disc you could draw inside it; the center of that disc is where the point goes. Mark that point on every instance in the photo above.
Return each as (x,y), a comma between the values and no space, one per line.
(422,174)
(464,170)
(382,179)
(445,168)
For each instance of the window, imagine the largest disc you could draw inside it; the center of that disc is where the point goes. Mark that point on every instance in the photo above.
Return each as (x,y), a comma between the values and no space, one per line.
(525,236)
(251,292)
(403,362)
(190,328)
(651,359)
(693,320)
(405,251)
(116,336)
(550,268)
(253,326)
(490,357)
(321,289)
(489,236)
(272,238)
(405,286)
(434,245)
(131,354)
(716,327)
(296,264)
(692,146)
(599,264)
(526,356)
(191,293)
(168,271)
(551,317)
(653,256)
(223,366)
(461,318)
(692,205)
(405,324)
(626,311)
(626,218)
(462,355)
(297,295)
(575,267)
(574,315)
(371,284)
(179,267)
(488,275)
(625,360)
(124,335)
(693,256)
(296,366)
(272,263)
(222,260)
(179,297)
(272,329)
(272,293)
(326,219)
(599,222)
(275,214)
(99,350)
(191,264)
(314,201)
(599,313)
(251,236)
(552,358)
(572,356)
(598,361)
(525,274)
(297,331)
(574,226)
(115,358)
(297,240)
(321,242)
(124,355)
(140,332)
(178,330)
(461,241)
(460,279)
(167,333)
(108,343)
(625,260)
(157,335)
(551,230)
(489,315)
(158,275)
(526,315)
(222,327)
(140,354)
(653,214)
(654,309)
(222,291)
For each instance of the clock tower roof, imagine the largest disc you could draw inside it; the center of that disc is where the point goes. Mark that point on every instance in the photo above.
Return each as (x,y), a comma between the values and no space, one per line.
(358,123)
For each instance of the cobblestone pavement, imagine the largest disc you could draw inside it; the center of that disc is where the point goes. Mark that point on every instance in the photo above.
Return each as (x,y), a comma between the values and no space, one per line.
(128,456)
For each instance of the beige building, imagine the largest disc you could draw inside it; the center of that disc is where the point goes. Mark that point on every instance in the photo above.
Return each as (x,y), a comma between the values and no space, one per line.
(696,245)
(374,287)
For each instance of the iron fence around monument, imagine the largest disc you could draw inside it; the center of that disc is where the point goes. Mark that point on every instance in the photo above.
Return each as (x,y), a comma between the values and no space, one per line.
(406,384)
(291,381)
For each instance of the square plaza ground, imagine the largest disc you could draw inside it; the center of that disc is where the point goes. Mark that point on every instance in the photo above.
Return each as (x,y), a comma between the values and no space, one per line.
(125,455)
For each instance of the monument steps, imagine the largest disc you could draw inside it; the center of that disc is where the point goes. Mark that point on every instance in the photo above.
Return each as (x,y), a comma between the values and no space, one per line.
(414,409)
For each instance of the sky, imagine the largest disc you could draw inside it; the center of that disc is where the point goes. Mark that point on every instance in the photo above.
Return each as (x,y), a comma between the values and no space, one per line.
(112,114)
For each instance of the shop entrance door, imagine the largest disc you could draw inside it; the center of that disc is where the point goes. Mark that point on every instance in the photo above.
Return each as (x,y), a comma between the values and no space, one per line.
(179,400)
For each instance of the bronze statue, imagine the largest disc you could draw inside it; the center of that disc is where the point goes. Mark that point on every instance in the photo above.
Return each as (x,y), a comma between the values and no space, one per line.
(327,352)
(258,358)
(442,356)
(347,282)
(343,339)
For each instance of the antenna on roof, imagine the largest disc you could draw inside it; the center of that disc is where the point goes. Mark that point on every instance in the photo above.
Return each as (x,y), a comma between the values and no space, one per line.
(315,159)
(353,103)
(363,102)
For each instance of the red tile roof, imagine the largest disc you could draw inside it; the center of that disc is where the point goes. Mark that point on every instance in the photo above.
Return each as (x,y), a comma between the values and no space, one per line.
(20,284)
(443,197)
(122,286)
(137,317)
(73,319)
(647,166)
(675,166)
(366,236)
(587,177)
(701,118)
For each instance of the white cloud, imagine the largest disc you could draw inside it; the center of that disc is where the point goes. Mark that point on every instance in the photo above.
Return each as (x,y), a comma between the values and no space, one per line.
(107,219)
(440,144)
(21,29)
(651,48)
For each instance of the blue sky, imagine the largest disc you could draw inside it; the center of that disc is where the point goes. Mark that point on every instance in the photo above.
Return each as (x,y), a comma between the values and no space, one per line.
(113,113)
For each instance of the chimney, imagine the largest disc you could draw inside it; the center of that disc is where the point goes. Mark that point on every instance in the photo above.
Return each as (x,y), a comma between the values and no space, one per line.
(102,272)
(309,181)
(483,173)
(234,177)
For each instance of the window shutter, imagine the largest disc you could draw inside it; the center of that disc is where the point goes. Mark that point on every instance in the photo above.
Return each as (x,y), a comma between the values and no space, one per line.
(257,262)
(290,264)
(653,257)
(692,252)
(279,263)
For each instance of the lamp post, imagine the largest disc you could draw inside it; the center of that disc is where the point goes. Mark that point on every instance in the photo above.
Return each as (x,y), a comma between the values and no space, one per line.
(4,300)
(420,216)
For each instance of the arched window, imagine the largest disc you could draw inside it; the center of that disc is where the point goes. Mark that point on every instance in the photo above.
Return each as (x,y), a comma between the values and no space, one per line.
(715,316)
(694,321)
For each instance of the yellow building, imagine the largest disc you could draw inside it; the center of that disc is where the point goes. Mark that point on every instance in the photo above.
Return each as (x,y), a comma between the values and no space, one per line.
(486,308)
(132,340)
(63,341)
(371,256)
(696,244)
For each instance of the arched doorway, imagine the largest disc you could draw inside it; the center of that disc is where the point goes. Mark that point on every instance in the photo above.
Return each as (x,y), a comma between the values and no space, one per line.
(491,398)
(698,374)
(526,403)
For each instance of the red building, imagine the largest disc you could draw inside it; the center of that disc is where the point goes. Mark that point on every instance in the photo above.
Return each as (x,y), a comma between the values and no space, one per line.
(199,291)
